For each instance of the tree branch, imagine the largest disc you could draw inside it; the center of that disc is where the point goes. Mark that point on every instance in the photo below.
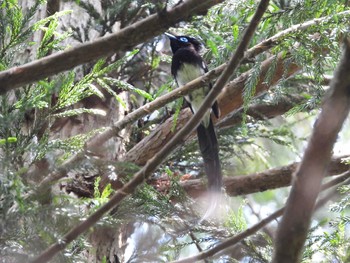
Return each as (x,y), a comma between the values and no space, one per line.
(153,163)
(259,182)
(274,40)
(234,185)
(252,183)
(292,230)
(124,39)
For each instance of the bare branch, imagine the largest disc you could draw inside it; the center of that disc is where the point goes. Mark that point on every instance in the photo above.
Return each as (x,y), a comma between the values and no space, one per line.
(259,182)
(292,230)
(234,185)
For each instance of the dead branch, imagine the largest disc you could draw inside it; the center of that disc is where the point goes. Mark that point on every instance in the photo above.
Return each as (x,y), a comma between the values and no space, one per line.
(292,230)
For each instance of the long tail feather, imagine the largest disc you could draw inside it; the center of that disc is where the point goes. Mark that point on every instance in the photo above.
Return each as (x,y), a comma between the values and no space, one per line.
(209,148)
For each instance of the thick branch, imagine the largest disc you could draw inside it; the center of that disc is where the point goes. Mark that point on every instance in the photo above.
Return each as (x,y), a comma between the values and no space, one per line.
(292,230)
(258,182)
(124,39)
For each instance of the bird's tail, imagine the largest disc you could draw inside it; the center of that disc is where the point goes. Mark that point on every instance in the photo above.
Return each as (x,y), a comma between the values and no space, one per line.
(208,145)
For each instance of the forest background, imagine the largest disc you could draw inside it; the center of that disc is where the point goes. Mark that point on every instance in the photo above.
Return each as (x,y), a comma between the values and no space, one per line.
(89,167)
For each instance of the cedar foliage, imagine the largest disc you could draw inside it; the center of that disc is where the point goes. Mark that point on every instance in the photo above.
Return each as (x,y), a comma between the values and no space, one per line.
(29,115)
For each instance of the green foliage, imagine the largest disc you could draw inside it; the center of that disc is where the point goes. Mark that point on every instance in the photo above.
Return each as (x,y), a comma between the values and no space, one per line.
(14,30)
(235,222)
(101,198)
(51,38)
(344,204)
(28,115)
(331,243)
(149,203)
(104,259)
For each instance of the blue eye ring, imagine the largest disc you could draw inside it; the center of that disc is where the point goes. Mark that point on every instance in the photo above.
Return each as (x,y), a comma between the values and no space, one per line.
(183,39)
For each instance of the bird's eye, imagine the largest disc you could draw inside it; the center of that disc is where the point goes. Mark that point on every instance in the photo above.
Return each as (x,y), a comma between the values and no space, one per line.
(183,39)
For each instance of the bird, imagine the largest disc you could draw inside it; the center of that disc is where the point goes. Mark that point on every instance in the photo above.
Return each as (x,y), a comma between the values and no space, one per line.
(187,65)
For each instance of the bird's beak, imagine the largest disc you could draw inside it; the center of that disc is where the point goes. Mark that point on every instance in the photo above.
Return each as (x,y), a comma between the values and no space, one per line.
(170,36)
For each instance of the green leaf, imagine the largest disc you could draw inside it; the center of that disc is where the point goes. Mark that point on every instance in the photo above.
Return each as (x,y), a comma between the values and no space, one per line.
(97,193)
(8,140)
(46,20)
(98,66)
(235,31)
(155,62)
(103,83)
(213,47)
(107,191)
(126,86)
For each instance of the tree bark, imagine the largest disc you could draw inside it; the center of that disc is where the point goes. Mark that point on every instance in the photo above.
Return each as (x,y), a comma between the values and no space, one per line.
(252,183)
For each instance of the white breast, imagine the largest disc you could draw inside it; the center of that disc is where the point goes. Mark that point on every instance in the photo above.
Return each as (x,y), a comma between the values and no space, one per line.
(187,73)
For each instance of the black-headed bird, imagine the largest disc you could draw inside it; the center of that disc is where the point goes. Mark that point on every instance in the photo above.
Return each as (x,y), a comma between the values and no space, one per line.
(187,65)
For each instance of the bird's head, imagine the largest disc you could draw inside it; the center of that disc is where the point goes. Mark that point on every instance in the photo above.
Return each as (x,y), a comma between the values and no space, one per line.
(177,42)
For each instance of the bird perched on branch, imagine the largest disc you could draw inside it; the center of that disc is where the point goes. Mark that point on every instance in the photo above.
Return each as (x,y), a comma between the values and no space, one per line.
(187,65)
